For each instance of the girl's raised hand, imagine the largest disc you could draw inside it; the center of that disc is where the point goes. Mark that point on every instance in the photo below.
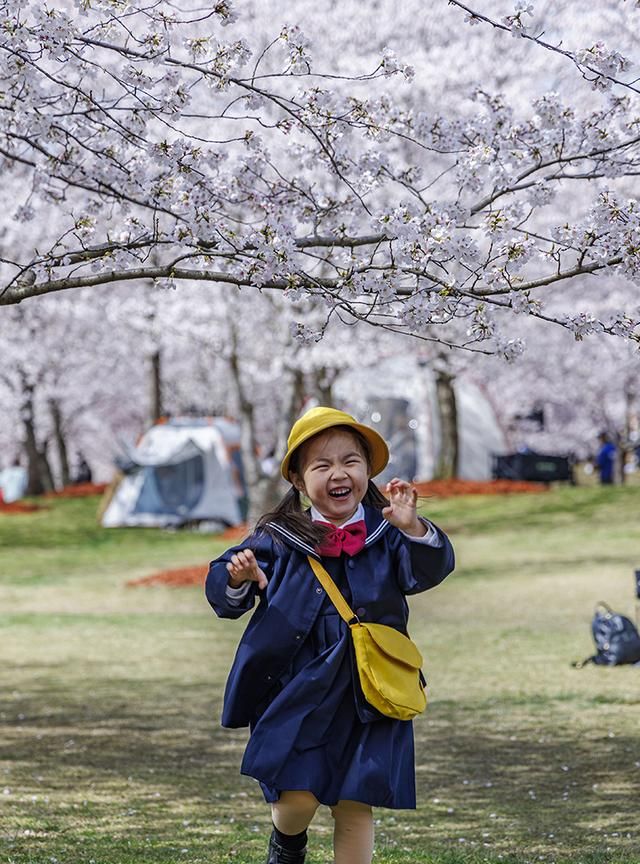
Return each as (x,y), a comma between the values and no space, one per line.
(402,510)
(243,567)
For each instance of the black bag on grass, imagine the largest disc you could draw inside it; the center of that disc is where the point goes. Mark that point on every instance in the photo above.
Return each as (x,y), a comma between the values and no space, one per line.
(616,637)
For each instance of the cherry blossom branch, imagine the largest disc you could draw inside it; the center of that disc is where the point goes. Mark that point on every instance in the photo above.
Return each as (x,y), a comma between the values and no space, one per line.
(517,27)
(320,196)
(560,160)
(580,270)
(18,292)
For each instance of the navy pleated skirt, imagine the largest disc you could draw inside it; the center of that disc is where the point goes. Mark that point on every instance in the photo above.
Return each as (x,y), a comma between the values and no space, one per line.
(311,738)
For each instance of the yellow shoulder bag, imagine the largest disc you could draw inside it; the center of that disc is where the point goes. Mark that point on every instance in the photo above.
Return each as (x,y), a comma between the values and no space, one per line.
(388,662)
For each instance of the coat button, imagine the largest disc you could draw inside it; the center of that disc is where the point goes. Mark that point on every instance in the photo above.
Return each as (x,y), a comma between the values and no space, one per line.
(361,611)
(351,563)
(298,637)
(318,590)
(268,678)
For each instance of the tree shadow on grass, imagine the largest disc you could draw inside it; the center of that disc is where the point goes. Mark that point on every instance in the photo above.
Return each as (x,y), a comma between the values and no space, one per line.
(123,771)
(143,734)
(128,757)
(539,786)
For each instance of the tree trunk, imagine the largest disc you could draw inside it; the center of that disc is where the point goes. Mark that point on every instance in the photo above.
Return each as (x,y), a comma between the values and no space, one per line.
(626,442)
(447,466)
(155,388)
(324,379)
(292,403)
(45,468)
(264,490)
(39,477)
(61,443)
(35,486)
(268,490)
(264,496)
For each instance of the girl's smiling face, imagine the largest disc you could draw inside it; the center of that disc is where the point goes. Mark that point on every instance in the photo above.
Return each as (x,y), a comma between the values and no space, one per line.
(333,473)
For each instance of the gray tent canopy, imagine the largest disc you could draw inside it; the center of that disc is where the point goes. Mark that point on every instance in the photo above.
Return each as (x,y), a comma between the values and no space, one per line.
(184,470)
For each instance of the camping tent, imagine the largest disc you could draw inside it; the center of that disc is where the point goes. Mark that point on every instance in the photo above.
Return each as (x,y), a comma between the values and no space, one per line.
(13,483)
(182,470)
(403,405)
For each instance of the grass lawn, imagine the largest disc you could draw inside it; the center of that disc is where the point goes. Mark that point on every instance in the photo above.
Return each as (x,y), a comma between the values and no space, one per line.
(110,746)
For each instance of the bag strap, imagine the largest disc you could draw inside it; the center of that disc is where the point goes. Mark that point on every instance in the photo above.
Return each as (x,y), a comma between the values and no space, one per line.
(602,605)
(344,610)
(579,664)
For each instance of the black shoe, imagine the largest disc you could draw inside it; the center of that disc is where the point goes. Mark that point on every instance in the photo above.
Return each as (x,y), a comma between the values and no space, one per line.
(279,855)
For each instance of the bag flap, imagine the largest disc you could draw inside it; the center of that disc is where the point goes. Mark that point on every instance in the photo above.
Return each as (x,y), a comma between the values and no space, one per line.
(393,643)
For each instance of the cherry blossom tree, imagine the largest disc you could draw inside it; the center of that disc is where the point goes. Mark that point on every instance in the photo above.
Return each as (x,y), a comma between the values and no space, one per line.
(67,386)
(580,388)
(154,146)
(292,201)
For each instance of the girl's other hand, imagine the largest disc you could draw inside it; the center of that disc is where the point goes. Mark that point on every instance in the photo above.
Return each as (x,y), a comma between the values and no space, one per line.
(243,567)
(402,510)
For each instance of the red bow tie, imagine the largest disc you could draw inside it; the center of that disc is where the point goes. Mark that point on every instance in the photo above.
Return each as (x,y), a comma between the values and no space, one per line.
(349,539)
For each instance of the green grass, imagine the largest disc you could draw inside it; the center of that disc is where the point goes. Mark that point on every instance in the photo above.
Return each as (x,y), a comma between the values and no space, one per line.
(110,746)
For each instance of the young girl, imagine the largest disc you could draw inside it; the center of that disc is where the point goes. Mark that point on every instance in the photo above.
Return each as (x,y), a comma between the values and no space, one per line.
(314,739)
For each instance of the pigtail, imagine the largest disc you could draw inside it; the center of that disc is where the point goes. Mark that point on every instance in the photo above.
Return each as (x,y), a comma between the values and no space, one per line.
(290,515)
(374,497)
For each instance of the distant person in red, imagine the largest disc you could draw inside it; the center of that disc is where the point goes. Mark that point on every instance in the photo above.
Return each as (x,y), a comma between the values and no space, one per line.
(606,459)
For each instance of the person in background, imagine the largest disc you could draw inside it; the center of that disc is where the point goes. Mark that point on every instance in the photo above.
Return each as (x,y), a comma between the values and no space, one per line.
(606,459)
(84,473)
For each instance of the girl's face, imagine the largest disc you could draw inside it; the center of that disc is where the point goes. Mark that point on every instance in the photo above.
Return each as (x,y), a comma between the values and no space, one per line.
(334,474)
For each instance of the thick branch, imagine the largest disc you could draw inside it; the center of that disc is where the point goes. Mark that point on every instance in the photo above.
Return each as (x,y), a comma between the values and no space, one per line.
(580,270)
(15,293)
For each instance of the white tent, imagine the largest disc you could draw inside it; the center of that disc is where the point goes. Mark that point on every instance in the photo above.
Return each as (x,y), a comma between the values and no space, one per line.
(398,396)
(13,483)
(184,470)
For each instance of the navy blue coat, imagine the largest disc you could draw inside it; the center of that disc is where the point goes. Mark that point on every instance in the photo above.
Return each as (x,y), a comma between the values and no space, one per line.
(389,567)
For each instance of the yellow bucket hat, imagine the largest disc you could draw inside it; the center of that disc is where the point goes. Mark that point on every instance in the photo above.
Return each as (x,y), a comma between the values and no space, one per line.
(317,420)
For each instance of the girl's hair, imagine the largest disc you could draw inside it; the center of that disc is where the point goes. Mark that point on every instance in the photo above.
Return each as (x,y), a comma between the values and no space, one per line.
(289,513)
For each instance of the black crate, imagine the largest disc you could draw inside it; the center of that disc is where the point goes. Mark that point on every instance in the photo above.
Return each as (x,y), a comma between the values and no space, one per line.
(536,467)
